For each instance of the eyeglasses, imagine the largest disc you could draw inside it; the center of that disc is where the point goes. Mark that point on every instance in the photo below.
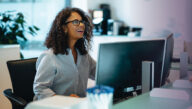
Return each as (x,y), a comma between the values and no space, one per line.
(76,22)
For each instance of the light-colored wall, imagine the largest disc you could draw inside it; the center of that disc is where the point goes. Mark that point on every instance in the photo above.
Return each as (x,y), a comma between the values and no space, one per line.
(9,52)
(154,16)
(80,4)
(94,4)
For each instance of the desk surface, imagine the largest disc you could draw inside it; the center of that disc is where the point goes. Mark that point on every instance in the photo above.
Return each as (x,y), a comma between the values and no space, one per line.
(143,101)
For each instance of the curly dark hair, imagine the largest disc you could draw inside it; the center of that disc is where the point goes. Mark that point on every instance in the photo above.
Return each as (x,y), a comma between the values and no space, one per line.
(57,39)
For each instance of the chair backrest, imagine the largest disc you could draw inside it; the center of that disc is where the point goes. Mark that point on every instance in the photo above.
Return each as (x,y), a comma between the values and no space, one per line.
(22,73)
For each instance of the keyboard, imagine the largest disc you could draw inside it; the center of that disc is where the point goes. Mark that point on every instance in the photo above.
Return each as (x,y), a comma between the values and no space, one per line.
(120,99)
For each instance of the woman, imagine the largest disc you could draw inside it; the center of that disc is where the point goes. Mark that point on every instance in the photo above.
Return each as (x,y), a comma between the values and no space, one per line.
(65,67)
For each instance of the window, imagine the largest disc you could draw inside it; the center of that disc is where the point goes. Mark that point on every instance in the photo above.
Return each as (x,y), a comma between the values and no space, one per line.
(37,12)
(40,13)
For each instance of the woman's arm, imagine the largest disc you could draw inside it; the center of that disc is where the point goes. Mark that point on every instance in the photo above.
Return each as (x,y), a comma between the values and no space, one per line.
(44,77)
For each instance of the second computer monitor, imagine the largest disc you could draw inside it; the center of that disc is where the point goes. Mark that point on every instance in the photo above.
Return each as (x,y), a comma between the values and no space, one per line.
(119,64)
(169,44)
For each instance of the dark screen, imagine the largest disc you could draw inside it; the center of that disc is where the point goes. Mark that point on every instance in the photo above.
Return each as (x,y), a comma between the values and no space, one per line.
(168,57)
(119,64)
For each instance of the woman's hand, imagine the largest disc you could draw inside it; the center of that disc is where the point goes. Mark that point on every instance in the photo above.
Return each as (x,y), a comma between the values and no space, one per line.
(74,95)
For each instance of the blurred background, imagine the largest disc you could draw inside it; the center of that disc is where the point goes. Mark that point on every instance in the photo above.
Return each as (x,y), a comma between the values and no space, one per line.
(113,20)
(123,18)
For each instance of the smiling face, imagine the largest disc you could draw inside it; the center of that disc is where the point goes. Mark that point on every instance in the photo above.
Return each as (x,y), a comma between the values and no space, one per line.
(74,30)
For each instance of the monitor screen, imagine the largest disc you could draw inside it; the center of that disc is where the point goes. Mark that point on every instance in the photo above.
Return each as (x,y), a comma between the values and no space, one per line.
(169,43)
(119,64)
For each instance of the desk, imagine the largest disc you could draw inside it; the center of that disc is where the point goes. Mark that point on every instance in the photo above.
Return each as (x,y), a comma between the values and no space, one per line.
(176,66)
(143,101)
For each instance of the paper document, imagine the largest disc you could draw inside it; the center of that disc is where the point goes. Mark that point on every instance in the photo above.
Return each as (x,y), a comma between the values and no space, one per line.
(182,84)
(170,93)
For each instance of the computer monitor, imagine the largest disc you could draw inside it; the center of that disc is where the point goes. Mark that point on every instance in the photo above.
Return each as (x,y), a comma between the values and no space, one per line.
(119,63)
(169,44)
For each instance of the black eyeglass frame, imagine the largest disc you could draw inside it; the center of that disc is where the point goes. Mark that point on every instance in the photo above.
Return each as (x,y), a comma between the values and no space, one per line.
(76,22)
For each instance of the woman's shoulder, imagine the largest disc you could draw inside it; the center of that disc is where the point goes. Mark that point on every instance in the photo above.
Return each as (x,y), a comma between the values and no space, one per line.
(46,59)
(47,55)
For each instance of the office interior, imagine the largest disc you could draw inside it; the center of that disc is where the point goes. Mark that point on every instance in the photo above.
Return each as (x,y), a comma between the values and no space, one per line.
(114,21)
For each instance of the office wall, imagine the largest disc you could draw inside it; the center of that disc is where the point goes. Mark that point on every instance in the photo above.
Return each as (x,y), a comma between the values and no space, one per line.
(94,4)
(9,52)
(80,4)
(189,18)
(154,16)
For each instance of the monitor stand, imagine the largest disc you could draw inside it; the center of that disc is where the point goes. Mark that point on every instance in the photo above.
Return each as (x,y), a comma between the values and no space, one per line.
(147,76)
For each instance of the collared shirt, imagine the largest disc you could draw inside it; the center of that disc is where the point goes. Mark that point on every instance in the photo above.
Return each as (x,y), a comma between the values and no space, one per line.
(58,74)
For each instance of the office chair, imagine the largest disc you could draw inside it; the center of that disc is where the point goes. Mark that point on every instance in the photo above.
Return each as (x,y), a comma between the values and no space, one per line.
(22,73)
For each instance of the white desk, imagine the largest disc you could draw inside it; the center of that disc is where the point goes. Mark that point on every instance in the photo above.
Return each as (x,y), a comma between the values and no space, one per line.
(144,101)
(56,102)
